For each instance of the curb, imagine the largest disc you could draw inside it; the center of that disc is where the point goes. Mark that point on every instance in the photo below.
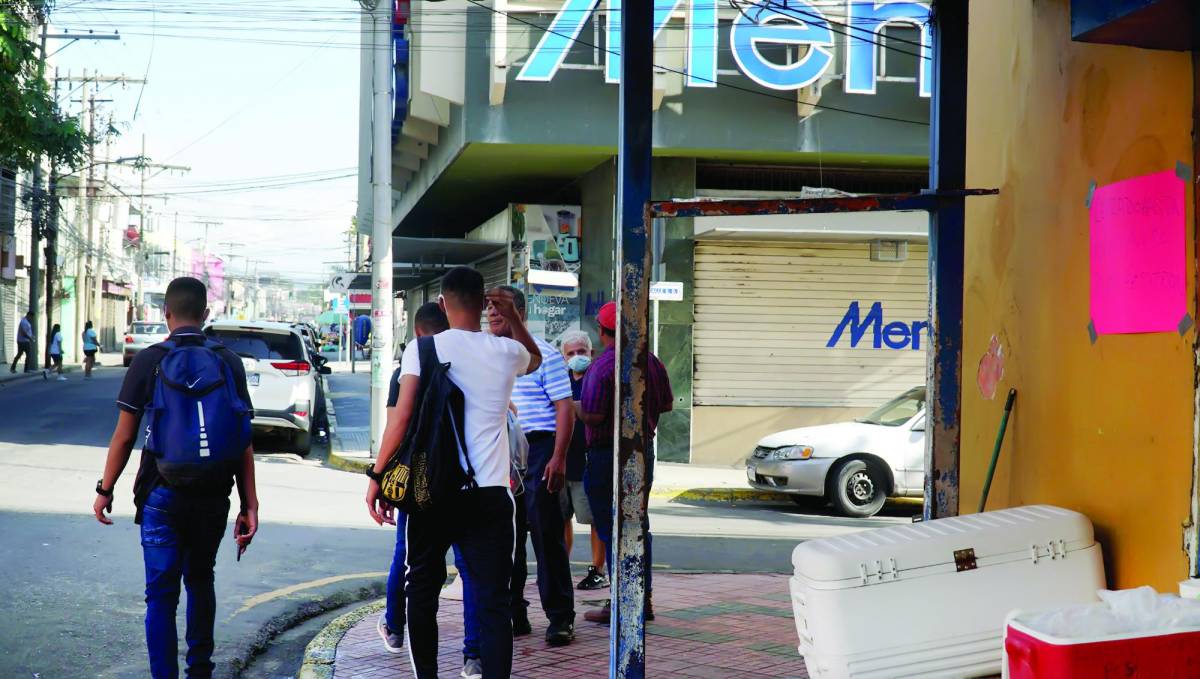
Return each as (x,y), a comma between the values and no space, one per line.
(719,496)
(232,667)
(9,378)
(322,650)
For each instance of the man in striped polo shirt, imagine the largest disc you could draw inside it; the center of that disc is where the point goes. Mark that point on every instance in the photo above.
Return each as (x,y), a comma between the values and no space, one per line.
(544,405)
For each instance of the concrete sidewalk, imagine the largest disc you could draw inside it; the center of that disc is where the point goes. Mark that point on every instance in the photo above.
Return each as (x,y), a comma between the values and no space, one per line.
(112,360)
(349,433)
(708,625)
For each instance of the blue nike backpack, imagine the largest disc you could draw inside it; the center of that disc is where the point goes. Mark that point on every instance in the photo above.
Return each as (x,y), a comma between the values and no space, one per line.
(198,425)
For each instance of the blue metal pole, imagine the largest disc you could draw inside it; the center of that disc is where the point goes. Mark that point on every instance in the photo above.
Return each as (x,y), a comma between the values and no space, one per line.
(627,634)
(948,162)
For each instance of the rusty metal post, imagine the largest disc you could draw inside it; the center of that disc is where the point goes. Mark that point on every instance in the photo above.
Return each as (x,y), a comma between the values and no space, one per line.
(948,136)
(627,634)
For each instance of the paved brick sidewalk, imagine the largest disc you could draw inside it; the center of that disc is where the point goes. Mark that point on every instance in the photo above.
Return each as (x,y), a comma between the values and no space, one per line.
(715,626)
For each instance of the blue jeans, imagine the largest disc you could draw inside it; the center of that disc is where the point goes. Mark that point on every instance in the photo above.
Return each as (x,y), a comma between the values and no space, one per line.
(598,485)
(395,615)
(180,538)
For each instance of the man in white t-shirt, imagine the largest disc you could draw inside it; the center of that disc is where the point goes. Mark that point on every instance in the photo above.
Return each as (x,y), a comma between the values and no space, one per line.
(484,367)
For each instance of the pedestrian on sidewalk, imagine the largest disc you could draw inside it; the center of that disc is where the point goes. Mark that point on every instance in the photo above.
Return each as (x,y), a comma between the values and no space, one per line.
(91,344)
(577,350)
(427,322)
(185,478)
(24,340)
(480,520)
(543,402)
(56,354)
(596,410)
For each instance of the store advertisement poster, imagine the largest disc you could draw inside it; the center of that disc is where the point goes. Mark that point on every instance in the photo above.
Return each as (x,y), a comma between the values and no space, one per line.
(547,238)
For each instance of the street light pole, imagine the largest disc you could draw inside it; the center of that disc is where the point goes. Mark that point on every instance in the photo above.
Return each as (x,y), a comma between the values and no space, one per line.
(381,229)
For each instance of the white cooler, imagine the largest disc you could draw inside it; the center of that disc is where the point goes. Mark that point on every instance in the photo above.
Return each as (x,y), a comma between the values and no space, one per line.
(930,599)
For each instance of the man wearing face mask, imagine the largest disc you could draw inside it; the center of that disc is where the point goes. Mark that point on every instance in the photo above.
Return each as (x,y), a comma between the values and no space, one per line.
(577,350)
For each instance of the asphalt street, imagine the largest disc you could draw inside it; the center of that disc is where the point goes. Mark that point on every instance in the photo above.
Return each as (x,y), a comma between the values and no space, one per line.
(71,598)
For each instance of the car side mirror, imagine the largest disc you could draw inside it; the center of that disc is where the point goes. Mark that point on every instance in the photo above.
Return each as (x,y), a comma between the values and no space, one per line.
(920,426)
(325,370)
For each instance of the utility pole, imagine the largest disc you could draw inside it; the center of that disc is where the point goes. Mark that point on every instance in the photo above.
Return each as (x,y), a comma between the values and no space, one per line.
(143,163)
(35,235)
(381,229)
(627,630)
(52,243)
(175,249)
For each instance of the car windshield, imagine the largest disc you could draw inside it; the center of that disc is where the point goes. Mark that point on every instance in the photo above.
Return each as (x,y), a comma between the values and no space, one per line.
(898,410)
(260,345)
(149,328)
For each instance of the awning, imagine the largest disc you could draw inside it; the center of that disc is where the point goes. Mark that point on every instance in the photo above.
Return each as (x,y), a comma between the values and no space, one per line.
(416,261)
(1151,24)
(843,226)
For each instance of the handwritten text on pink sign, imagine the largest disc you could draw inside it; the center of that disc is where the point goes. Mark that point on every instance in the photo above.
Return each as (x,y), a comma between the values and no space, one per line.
(1138,255)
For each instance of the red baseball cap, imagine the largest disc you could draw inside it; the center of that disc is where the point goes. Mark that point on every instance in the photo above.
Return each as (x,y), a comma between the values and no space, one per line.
(607,318)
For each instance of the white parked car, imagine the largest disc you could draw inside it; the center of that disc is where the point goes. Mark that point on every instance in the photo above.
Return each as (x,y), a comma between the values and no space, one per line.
(855,466)
(280,373)
(142,334)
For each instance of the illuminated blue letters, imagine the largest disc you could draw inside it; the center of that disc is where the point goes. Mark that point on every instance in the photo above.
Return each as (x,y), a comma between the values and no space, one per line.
(762,25)
(755,27)
(868,20)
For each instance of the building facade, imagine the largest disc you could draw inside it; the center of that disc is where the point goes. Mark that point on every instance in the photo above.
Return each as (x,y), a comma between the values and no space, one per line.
(507,124)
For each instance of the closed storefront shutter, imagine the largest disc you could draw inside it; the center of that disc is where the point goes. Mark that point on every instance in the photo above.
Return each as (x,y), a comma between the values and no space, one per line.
(8,298)
(494,270)
(768,316)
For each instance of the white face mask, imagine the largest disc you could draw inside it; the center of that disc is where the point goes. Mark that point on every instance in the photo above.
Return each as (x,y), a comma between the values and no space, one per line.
(579,363)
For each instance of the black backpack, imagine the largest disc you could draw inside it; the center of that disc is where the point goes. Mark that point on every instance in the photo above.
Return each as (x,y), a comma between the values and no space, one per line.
(425,471)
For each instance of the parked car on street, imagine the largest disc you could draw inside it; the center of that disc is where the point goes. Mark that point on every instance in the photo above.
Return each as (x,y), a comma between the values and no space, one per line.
(142,334)
(283,378)
(855,466)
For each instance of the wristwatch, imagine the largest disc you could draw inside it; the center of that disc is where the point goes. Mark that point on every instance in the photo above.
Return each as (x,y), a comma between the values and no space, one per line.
(373,475)
(100,489)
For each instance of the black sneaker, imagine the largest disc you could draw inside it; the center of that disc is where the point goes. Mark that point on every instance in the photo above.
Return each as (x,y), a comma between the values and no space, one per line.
(560,633)
(593,580)
(521,626)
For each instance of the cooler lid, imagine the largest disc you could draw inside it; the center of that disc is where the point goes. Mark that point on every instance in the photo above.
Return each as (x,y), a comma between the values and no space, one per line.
(931,543)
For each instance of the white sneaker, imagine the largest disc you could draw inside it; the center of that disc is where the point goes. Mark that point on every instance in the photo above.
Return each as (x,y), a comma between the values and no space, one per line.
(472,669)
(392,642)
(62,378)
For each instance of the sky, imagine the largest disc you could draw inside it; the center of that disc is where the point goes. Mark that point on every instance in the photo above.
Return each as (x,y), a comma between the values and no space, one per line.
(249,94)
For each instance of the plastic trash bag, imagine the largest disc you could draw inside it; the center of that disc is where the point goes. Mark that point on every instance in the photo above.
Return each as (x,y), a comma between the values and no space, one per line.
(1129,611)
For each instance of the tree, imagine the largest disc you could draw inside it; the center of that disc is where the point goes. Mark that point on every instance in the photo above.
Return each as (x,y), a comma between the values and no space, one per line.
(31,126)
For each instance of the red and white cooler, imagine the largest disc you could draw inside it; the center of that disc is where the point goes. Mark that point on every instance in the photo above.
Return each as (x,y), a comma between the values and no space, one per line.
(1172,652)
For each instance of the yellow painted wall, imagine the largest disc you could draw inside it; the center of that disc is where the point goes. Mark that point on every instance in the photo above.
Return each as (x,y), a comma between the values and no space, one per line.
(728,434)
(1104,429)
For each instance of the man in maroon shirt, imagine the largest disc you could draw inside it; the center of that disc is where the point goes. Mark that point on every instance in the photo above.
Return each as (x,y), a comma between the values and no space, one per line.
(596,411)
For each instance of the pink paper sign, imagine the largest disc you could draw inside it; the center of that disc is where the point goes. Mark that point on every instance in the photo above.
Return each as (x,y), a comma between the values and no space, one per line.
(1138,255)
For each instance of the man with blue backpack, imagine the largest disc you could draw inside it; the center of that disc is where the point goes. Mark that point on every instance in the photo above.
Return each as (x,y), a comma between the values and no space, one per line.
(192,393)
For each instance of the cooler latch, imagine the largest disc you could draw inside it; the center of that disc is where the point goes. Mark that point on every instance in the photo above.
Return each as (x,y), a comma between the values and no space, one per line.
(1055,549)
(879,574)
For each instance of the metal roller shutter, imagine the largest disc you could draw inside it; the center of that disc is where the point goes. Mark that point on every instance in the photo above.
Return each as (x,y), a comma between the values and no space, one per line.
(8,319)
(765,312)
(494,270)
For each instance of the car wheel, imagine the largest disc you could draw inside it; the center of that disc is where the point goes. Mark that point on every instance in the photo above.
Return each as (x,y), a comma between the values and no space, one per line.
(302,443)
(857,489)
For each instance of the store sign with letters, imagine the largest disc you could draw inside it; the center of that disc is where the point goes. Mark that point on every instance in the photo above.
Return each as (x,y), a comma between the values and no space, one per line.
(893,335)
(757,26)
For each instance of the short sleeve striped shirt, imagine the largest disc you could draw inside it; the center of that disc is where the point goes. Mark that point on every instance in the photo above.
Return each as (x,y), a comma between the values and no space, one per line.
(534,394)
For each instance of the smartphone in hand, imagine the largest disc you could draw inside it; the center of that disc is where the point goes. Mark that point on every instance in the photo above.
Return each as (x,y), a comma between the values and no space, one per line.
(243,529)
